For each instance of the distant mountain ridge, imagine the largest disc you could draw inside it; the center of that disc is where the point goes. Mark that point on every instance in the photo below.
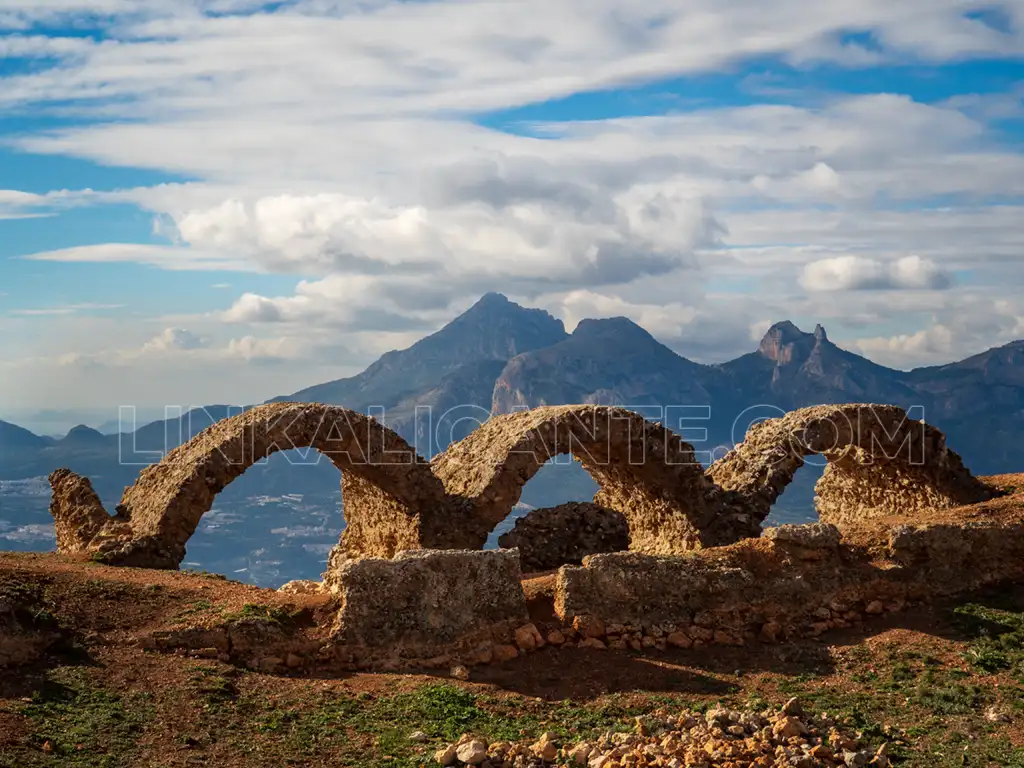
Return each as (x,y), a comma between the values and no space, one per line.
(498,356)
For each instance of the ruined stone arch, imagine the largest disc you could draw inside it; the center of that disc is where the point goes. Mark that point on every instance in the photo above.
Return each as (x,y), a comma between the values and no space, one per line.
(643,470)
(880,462)
(392,501)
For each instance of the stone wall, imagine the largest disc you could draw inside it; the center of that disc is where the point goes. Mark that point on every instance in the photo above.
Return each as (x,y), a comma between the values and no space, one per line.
(794,581)
(426,604)
(443,608)
(554,536)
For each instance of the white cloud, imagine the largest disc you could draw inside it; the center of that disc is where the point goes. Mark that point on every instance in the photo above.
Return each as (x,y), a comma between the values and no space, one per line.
(332,140)
(855,273)
(964,325)
(175,338)
(165,257)
(15,204)
(391,57)
(15,197)
(68,310)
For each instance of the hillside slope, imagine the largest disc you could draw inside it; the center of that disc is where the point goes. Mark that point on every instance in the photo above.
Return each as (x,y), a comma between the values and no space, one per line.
(934,686)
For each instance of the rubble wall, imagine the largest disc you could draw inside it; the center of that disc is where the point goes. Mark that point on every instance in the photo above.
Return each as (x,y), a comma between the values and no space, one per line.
(425,603)
(795,581)
(554,536)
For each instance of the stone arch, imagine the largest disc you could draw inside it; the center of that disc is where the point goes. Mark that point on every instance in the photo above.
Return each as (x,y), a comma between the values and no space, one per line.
(880,462)
(645,471)
(392,501)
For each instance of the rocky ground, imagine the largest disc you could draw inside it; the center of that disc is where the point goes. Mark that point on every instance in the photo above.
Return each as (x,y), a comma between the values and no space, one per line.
(930,687)
(786,737)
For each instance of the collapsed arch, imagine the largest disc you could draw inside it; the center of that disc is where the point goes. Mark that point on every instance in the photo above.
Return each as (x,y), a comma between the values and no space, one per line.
(880,462)
(643,470)
(391,499)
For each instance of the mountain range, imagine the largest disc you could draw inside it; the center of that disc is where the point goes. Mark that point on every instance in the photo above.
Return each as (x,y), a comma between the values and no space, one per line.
(499,356)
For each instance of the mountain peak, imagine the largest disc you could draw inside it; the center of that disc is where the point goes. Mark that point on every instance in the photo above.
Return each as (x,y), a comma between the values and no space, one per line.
(605,325)
(83,434)
(819,332)
(784,330)
(496,306)
(13,437)
(493,299)
(494,328)
(83,430)
(784,342)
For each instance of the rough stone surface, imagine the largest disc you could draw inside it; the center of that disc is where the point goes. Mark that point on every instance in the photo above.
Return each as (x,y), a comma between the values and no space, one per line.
(392,500)
(644,471)
(564,535)
(812,538)
(956,558)
(720,738)
(301,587)
(796,581)
(78,514)
(881,463)
(425,603)
(82,526)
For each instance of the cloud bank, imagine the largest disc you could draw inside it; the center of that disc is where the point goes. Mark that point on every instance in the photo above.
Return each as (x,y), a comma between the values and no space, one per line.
(389,162)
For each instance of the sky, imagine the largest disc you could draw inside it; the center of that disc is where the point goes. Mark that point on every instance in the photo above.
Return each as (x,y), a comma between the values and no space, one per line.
(220,201)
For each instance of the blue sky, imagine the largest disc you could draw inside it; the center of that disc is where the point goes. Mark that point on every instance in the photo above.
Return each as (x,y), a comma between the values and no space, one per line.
(234,200)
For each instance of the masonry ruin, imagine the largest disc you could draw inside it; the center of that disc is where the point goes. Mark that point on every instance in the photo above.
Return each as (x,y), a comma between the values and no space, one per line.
(644,471)
(902,520)
(393,501)
(880,462)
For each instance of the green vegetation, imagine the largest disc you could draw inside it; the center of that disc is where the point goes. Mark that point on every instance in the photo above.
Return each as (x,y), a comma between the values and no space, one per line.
(996,629)
(368,730)
(195,608)
(30,604)
(214,687)
(282,617)
(938,701)
(77,724)
(205,574)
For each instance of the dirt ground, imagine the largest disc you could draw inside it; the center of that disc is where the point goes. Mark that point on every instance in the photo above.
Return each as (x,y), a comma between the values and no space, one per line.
(944,685)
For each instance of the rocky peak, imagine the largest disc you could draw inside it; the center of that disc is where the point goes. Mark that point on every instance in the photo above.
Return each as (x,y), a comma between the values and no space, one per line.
(613,328)
(495,328)
(785,343)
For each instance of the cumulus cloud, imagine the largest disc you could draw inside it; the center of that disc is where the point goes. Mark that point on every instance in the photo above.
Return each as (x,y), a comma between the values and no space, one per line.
(964,326)
(858,273)
(529,237)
